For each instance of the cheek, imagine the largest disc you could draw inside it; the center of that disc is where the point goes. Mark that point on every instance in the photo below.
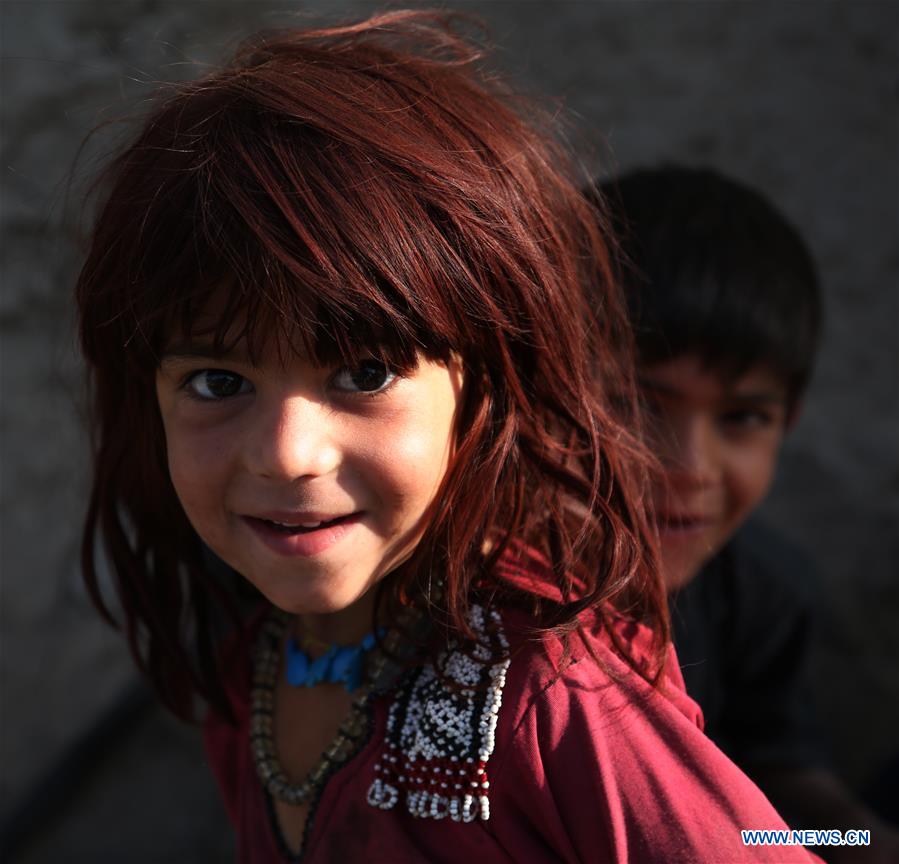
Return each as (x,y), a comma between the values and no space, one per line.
(411,465)
(407,460)
(198,468)
(750,476)
(661,438)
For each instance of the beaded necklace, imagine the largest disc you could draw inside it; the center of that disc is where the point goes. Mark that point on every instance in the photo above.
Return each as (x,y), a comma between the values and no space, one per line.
(337,664)
(441,725)
(382,670)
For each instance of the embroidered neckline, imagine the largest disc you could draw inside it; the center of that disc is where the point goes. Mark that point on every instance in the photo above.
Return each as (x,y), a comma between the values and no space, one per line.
(441,729)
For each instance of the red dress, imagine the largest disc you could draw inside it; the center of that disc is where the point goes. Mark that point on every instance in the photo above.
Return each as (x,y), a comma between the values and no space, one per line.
(588,764)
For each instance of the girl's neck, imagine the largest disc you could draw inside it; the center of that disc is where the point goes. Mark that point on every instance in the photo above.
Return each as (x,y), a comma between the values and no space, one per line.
(345,627)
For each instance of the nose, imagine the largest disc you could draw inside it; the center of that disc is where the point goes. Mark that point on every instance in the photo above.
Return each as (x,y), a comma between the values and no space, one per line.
(291,438)
(690,453)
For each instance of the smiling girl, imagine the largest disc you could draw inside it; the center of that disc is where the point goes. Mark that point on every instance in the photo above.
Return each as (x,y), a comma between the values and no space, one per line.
(334,314)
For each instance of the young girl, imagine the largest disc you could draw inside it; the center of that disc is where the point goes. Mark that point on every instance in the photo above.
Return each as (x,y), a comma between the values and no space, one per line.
(335,318)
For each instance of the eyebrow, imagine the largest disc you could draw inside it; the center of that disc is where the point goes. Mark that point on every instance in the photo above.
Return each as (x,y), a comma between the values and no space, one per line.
(754,396)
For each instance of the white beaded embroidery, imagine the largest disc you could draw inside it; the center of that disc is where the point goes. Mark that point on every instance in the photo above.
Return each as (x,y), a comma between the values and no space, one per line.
(439,739)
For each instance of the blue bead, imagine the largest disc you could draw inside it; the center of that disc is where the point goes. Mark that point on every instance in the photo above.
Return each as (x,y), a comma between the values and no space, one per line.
(336,665)
(343,661)
(319,669)
(297,664)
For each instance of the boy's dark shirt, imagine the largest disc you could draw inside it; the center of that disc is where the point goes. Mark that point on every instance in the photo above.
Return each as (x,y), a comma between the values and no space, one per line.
(743,630)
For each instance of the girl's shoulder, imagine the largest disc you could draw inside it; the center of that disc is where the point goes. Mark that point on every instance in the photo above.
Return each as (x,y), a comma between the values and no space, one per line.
(600,764)
(590,659)
(572,752)
(457,719)
(551,679)
(568,749)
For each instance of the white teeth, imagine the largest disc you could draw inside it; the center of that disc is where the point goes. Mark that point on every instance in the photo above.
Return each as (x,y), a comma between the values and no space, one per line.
(290,525)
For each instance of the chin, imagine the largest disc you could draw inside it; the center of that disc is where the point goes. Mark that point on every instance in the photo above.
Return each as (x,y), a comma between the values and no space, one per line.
(289,599)
(676,581)
(679,572)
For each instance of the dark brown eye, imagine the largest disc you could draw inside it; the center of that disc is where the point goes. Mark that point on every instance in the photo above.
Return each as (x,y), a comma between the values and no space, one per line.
(370,376)
(746,418)
(217,384)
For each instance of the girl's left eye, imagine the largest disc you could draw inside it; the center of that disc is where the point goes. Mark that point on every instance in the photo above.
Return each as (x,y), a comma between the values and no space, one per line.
(370,376)
(215,385)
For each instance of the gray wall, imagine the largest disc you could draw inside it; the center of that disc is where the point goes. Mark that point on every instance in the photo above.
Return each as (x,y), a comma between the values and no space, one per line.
(797,98)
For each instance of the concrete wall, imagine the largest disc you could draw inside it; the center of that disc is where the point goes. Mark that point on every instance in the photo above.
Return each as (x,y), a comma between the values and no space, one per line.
(796,98)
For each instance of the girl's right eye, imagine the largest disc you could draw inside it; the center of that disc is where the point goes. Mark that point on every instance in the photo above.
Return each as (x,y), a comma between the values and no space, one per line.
(214,385)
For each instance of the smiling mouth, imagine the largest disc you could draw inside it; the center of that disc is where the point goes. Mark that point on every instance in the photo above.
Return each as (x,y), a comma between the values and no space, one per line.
(291,529)
(302,535)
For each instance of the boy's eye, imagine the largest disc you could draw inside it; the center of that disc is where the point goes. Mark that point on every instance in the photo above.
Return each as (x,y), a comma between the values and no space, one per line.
(217,384)
(746,419)
(370,376)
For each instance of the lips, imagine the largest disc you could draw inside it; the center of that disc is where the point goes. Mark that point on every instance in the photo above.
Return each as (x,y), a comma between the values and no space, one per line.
(301,534)
(302,527)
(684,531)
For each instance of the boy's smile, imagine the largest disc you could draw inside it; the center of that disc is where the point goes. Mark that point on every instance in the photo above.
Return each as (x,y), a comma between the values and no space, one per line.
(311,482)
(718,441)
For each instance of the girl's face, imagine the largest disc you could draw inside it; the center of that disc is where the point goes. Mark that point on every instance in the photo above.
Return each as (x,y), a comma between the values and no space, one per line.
(311,482)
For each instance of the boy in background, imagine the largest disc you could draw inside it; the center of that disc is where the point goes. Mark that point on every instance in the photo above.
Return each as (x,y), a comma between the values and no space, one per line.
(725,305)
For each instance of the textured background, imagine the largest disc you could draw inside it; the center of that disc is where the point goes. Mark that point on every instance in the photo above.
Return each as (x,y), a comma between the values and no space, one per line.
(797,98)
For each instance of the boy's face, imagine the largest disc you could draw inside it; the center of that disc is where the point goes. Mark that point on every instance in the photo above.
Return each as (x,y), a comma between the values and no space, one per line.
(311,482)
(718,440)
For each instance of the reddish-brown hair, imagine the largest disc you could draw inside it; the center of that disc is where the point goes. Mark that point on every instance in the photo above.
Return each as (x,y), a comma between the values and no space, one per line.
(349,189)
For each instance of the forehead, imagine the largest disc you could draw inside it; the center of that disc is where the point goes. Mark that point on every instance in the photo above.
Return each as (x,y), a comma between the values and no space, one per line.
(691,378)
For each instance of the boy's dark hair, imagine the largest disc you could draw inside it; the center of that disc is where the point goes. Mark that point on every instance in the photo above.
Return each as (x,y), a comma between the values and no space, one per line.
(709,265)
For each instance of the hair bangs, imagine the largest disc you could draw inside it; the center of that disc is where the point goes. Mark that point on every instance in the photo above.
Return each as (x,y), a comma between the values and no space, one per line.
(286,317)
(278,239)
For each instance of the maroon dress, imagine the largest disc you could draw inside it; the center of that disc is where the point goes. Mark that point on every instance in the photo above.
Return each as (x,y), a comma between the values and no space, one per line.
(545,763)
